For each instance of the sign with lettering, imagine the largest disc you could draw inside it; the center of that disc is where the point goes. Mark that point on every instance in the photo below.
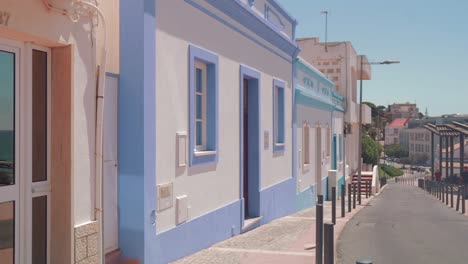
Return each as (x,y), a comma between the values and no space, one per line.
(4,18)
(308,82)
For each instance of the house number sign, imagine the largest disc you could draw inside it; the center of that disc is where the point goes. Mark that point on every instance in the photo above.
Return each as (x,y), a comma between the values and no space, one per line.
(4,18)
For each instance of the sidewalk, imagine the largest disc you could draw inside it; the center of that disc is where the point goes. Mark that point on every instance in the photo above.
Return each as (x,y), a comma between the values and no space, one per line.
(280,241)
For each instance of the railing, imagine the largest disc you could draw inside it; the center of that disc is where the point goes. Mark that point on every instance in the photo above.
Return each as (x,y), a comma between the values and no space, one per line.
(453,195)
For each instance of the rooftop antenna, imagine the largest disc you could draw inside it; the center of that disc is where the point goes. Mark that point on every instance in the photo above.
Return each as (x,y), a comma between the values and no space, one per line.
(326,29)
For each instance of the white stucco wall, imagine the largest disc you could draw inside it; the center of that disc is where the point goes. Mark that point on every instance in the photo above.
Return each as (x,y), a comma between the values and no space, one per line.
(307,176)
(213,186)
(30,21)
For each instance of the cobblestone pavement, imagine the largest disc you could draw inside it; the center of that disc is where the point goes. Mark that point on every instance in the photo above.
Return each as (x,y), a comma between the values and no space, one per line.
(280,241)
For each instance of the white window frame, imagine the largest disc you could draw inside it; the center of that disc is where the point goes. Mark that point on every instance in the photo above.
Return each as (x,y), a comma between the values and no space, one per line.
(42,188)
(200,149)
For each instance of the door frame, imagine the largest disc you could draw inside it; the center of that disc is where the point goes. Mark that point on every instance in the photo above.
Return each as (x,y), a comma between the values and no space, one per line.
(12,192)
(40,188)
(254,177)
(26,189)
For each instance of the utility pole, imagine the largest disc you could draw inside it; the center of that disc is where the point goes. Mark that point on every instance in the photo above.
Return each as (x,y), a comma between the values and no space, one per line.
(326,29)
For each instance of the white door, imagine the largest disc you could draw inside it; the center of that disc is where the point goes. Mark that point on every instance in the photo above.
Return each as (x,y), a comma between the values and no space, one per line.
(9,156)
(111,239)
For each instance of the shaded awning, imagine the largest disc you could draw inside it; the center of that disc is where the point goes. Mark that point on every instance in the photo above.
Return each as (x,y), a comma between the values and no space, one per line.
(455,129)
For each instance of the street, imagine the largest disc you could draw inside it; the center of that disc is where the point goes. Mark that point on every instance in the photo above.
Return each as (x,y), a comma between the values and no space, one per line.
(405,225)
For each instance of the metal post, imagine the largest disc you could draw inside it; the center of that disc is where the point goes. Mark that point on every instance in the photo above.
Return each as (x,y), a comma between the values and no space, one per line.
(441,191)
(451,155)
(349,197)
(451,196)
(329,251)
(463,199)
(319,230)
(462,154)
(354,195)
(343,189)
(446,194)
(333,193)
(441,143)
(432,155)
(446,157)
(458,199)
(443,194)
(360,135)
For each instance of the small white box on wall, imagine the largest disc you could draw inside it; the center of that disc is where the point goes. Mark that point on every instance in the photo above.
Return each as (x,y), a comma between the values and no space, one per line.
(181,149)
(182,209)
(165,196)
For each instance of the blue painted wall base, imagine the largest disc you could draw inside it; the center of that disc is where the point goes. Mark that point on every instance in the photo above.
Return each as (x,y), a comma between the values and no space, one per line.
(306,198)
(197,234)
(278,200)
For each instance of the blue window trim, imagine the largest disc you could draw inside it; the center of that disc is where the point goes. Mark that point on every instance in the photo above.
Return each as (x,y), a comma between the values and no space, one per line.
(279,125)
(211,60)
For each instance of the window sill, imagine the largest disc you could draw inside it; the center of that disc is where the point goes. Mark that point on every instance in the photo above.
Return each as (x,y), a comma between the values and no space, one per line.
(204,153)
(279,147)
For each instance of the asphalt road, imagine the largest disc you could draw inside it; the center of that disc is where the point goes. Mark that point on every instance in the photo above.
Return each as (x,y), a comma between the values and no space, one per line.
(405,225)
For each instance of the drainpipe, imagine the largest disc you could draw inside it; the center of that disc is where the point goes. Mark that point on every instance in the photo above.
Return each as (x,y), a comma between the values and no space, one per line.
(99,133)
(75,17)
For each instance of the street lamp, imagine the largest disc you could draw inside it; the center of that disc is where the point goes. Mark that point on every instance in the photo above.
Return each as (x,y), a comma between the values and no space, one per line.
(360,119)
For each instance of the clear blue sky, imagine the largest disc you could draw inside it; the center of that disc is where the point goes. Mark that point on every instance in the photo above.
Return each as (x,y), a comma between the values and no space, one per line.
(429,37)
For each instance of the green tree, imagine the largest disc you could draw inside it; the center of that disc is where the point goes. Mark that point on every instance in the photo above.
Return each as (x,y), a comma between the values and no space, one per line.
(396,151)
(371,150)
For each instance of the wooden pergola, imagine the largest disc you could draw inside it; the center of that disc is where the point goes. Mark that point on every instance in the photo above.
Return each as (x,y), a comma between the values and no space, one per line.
(448,132)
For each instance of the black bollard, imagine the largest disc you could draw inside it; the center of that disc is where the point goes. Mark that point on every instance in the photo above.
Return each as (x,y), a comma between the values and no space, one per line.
(364,261)
(349,197)
(319,230)
(329,251)
(451,196)
(333,191)
(446,194)
(463,198)
(354,195)
(343,200)
(458,199)
(442,194)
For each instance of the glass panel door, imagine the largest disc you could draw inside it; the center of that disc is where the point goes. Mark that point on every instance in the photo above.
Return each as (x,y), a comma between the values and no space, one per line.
(9,184)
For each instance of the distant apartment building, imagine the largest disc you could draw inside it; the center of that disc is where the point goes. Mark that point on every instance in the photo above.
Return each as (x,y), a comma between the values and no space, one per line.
(340,63)
(418,143)
(403,111)
(438,120)
(392,130)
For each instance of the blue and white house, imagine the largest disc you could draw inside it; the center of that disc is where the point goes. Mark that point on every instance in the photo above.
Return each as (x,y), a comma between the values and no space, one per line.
(206,143)
(319,129)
